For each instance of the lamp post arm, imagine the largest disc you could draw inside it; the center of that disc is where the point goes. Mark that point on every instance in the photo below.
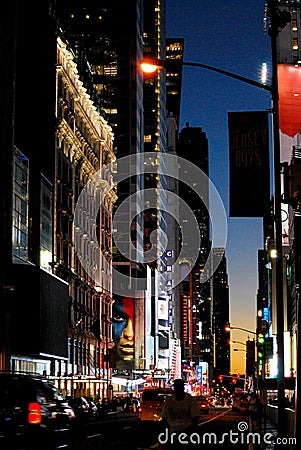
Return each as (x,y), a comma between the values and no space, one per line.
(229,74)
(244,329)
(151,65)
(238,342)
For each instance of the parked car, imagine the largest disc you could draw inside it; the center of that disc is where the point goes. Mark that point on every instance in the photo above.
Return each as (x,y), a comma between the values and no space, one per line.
(80,406)
(33,414)
(204,403)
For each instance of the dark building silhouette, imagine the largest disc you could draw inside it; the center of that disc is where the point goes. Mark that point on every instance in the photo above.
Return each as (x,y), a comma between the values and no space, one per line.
(221,316)
(197,302)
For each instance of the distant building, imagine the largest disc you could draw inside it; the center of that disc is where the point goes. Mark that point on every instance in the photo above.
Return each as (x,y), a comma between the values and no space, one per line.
(197,304)
(221,315)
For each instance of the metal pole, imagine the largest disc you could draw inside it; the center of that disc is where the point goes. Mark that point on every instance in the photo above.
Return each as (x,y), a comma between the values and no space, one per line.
(103,372)
(107,363)
(266,87)
(297,405)
(277,221)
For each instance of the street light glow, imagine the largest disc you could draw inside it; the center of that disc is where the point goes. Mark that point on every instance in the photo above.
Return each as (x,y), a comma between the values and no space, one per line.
(151,65)
(238,342)
(264,73)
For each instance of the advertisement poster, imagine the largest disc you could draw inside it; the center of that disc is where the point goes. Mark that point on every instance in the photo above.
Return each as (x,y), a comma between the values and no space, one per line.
(123,328)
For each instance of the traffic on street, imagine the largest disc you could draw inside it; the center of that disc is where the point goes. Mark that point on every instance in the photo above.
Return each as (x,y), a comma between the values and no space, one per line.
(220,428)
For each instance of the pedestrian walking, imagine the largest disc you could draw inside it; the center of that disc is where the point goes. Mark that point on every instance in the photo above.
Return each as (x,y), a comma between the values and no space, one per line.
(180,415)
(253,409)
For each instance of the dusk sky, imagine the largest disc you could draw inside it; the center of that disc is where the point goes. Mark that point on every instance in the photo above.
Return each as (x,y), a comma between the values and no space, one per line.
(228,35)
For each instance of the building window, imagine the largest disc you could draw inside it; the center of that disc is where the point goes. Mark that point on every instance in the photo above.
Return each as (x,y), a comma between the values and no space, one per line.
(46,225)
(20,208)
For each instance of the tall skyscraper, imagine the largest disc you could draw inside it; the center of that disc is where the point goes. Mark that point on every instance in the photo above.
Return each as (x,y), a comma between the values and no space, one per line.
(174,69)
(107,41)
(197,302)
(221,315)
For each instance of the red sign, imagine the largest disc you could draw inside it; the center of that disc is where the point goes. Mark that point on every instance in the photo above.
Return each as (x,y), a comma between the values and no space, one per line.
(289,87)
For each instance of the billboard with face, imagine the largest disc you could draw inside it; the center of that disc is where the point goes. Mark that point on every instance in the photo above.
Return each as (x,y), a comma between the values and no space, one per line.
(123,328)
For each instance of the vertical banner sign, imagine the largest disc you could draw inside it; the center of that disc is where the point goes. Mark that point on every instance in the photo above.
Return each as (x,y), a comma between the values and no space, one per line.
(249,163)
(199,373)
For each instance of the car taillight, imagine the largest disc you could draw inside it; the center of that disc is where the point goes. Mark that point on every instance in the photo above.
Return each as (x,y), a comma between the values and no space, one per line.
(34,413)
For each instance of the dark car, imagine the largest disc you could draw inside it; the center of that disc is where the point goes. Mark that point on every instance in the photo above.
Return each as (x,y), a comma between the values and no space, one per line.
(80,406)
(33,414)
(204,403)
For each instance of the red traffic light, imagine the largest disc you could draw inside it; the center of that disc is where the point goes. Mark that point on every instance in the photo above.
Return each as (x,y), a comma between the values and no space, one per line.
(220,377)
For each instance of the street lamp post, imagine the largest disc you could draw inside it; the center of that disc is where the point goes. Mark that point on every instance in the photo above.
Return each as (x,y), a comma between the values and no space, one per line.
(105,356)
(273,31)
(229,328)
(151,65)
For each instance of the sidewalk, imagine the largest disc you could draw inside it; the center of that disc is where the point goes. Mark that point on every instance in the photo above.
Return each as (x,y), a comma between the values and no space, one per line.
(269,432)
(267,429)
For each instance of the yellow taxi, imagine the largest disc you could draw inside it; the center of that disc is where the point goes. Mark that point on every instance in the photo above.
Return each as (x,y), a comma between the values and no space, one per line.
(151,403)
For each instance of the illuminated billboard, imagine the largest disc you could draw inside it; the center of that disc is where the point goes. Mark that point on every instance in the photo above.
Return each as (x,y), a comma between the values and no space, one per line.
(123,328)
(289,88)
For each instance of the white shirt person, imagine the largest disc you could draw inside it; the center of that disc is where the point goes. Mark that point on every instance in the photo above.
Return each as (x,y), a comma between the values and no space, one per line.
(181,410)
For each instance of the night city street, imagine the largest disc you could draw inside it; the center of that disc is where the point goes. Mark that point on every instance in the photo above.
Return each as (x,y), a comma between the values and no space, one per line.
(150,224)
(221,427)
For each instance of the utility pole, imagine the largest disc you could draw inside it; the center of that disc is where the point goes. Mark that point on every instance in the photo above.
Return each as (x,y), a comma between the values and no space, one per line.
(277,21)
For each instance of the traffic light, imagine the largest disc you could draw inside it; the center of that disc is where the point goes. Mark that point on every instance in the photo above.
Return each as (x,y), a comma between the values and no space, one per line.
(260,339)
(228,327)
(250,361)
(233,380)
(220,377)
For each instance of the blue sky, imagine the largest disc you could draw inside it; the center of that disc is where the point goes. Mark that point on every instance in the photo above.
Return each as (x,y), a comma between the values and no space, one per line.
(228,35)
